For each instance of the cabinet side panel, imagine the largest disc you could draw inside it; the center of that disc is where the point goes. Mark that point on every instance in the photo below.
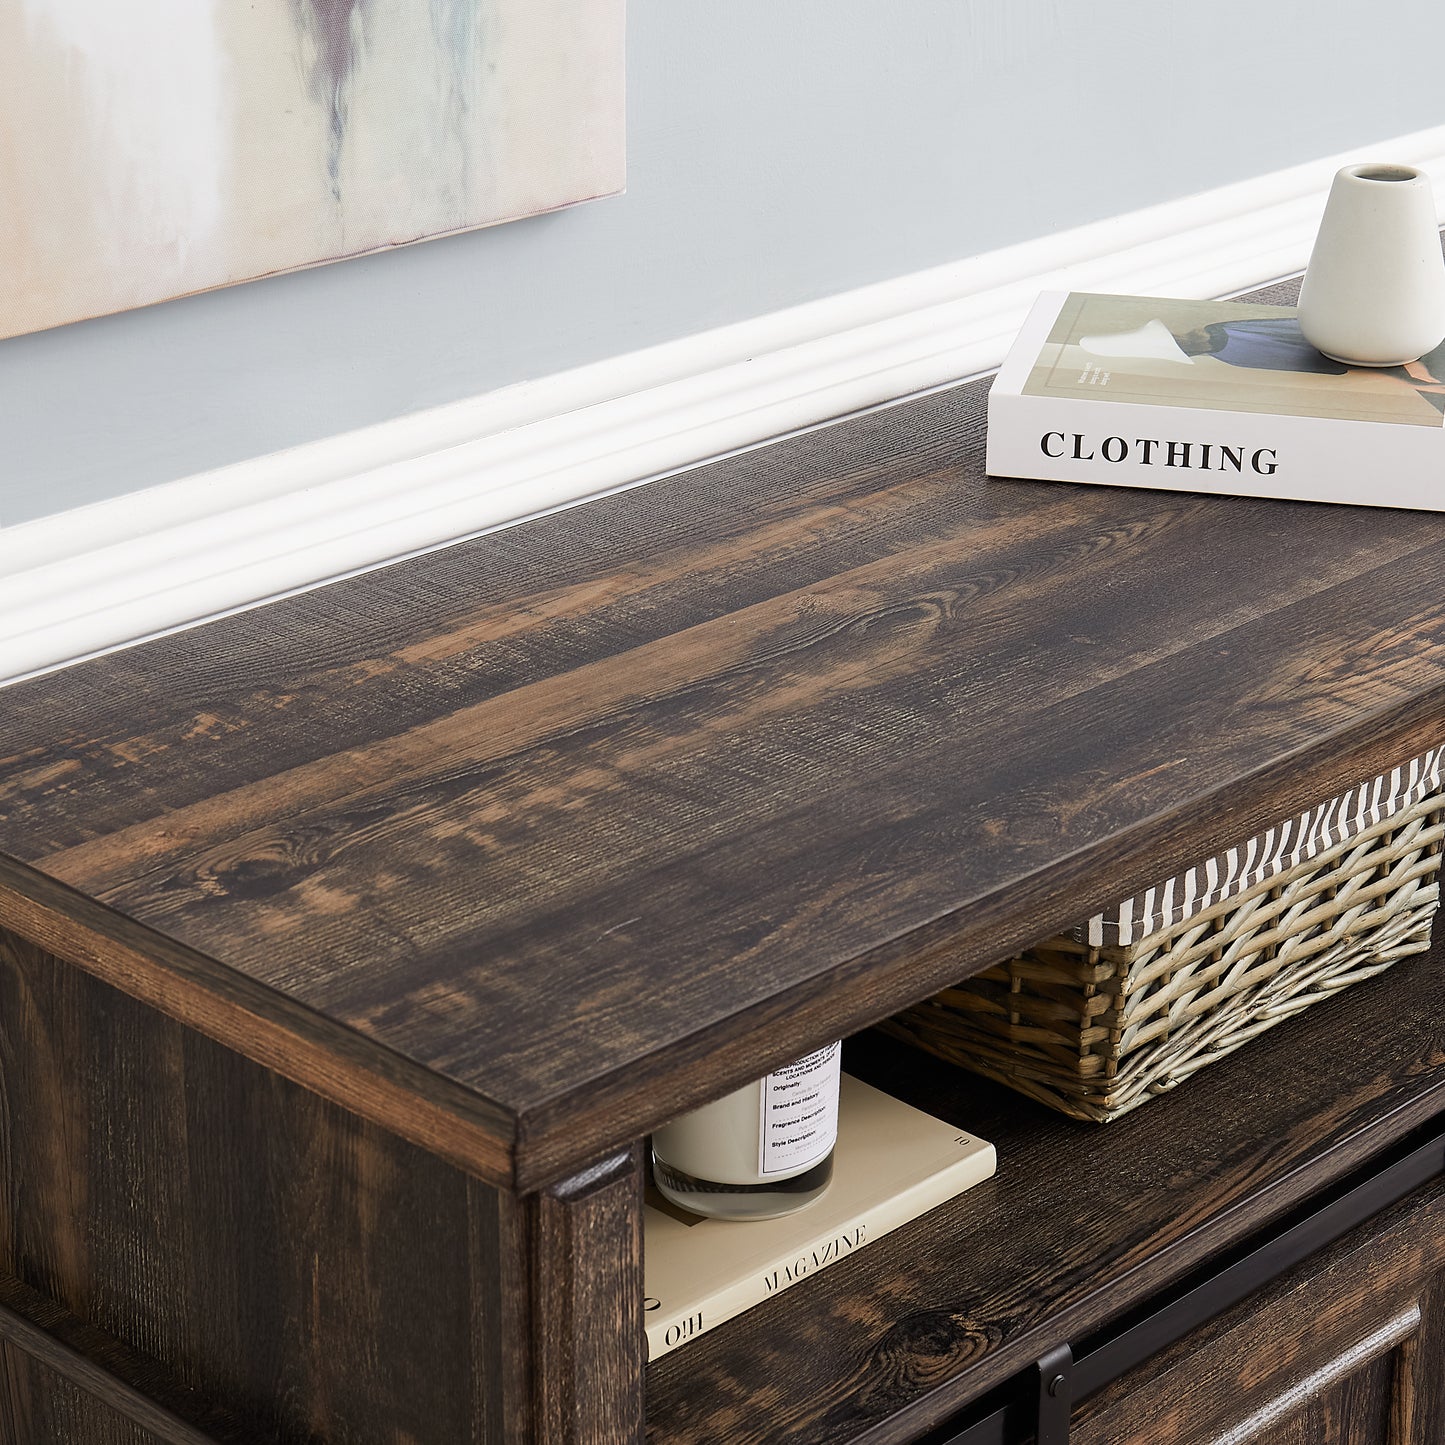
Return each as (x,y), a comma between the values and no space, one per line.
(309,1275)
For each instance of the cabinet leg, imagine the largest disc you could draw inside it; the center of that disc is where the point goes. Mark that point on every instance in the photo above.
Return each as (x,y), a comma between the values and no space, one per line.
(588,1336)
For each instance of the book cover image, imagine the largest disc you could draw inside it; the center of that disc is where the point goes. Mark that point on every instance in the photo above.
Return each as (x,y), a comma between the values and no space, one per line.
(1231,356)
(893,1163)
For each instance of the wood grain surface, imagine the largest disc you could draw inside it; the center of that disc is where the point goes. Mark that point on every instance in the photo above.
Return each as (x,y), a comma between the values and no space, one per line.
(589,1343)
(563,830)
(1329,1355)
(1081,1224)
(255,1261)
(51,1356)
(37,1404)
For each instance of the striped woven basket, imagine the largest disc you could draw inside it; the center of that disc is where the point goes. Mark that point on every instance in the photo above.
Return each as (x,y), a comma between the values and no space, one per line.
(1129,1005)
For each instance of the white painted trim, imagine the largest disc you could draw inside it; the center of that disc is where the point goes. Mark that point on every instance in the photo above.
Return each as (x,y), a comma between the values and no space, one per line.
(107,575)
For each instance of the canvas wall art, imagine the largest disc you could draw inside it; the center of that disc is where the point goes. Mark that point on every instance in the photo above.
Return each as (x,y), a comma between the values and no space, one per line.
(152,148)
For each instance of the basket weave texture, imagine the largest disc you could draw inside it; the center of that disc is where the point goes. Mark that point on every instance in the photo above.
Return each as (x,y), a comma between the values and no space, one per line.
(1095,1031)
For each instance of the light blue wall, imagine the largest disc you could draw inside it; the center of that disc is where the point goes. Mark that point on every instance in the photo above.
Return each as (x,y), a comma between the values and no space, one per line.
(779,150)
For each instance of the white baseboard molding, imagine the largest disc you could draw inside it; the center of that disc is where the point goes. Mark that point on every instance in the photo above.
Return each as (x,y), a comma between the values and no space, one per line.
(117,572)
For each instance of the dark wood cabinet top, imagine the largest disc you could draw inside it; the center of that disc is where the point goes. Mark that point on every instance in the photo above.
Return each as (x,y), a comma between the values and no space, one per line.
(527,845)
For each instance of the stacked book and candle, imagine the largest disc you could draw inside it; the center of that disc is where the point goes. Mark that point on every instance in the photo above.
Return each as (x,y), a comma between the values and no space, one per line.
(891,1164)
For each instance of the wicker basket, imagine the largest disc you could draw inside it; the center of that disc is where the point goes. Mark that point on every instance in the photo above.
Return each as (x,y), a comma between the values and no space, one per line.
(1131,1004)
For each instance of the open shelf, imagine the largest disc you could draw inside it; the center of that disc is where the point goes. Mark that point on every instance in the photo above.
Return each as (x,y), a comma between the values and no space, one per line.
(1081,1223)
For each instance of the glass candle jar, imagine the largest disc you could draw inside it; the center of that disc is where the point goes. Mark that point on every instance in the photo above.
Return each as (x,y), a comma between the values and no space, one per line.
(763,1150)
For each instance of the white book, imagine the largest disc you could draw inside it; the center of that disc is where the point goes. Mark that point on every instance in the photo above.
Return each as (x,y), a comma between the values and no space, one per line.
(892,1163)
(1212,396)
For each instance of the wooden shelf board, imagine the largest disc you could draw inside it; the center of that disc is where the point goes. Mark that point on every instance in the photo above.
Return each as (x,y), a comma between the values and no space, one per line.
(1080,1224)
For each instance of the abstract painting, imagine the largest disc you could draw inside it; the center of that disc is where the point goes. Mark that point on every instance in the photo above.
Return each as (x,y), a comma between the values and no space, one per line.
(152,148)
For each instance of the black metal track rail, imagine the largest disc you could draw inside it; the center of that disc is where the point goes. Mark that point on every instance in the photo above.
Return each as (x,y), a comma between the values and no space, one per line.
(1046,1394)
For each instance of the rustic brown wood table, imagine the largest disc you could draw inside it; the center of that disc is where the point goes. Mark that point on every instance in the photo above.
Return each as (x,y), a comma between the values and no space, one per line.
(350,947)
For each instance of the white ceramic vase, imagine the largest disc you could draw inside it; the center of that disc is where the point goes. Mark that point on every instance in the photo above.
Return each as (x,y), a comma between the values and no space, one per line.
(1374,293)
